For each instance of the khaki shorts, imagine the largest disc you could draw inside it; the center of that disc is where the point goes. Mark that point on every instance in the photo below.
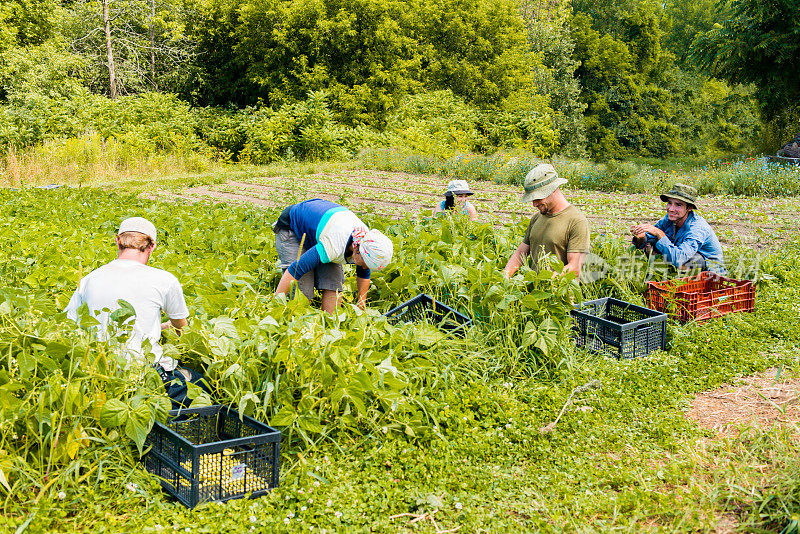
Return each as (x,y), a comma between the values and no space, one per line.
(326,277)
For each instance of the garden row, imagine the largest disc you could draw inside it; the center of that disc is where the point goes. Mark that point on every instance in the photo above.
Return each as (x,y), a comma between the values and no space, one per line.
(737,221)
(378,420)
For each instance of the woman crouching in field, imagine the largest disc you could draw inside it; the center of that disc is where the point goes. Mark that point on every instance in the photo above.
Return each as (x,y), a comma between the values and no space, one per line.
(455,198)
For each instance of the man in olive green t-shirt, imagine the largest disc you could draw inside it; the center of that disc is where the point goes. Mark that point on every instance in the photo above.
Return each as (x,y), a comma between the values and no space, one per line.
(559,228)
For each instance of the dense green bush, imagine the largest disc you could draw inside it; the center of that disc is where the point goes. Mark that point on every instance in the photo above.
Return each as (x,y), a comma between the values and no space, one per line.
(639,100)
(367,54)
(549,36)
(437,123)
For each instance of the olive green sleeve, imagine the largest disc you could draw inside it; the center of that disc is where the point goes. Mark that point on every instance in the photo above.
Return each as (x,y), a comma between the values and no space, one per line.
(526,239)
(579,238)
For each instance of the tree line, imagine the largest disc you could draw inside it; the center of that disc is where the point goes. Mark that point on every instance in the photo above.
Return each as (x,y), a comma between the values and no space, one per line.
(604,78)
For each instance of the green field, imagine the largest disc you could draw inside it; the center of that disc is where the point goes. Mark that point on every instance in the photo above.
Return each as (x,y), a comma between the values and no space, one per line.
(395,428)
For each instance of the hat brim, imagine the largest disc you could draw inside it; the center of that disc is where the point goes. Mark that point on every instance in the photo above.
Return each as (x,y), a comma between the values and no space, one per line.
(692,203)
(543,192)
(462,192)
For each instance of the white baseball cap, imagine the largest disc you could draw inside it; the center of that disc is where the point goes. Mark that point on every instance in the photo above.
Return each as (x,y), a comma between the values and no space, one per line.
(138,224)
(376,249)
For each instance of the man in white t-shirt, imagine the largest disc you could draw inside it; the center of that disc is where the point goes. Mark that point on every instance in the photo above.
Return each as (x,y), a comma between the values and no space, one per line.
(149,291)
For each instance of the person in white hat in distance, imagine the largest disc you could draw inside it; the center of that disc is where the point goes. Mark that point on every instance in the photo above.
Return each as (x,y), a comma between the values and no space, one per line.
(455,199)
(559,228)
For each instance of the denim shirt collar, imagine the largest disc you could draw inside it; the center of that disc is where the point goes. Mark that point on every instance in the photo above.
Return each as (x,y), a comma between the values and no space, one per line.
(687,224)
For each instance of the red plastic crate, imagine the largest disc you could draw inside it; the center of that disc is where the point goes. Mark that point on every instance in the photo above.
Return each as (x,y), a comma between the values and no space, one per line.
(701,297)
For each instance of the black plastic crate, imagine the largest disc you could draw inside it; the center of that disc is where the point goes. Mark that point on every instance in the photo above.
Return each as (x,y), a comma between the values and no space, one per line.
(423,307)
(209,454)
(618,328)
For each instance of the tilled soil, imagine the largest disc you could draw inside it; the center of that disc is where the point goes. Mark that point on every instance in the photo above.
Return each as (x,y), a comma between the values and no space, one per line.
(396,194)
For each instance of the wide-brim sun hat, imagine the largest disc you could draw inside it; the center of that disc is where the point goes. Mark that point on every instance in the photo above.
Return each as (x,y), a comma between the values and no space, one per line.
(682,192)
(138,224)
(458,187)
(541,182)
(376,249)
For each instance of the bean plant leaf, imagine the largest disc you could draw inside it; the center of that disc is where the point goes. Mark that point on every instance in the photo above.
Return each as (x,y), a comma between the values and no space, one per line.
(233,369)
(4,480)
(161,408)
(310,423)
(113,413)
(140,421)
(387,367)
(249,397)
(85,317)
(223,326)
(57,350)
(285,417)
(429,335)
(122,314)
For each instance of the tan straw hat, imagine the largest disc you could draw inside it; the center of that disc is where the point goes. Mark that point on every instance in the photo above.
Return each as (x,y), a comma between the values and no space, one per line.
(541,182)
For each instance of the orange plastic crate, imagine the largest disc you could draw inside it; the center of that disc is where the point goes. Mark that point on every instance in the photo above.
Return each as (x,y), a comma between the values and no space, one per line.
(701,297)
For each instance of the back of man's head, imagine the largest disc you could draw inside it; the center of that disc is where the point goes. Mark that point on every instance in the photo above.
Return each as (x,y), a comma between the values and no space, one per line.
(137,233)
(136,240)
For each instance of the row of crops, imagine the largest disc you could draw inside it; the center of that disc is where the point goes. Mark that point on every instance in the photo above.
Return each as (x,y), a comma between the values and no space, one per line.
(72,415)
(737,220)
(309,374)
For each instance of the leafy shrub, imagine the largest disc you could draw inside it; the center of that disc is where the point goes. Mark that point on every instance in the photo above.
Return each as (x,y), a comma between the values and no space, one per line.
(528,127)
(435,123)
(222,130)
(267,136)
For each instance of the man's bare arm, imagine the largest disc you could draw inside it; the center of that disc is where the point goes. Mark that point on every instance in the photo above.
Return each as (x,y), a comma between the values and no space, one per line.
(285,283)
(177,324)
(575,262)
(516,259)
(362,285)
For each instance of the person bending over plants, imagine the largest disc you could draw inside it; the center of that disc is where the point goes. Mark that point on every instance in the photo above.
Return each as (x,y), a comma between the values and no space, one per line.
(559,228)
(684,238)
(330,235)
(455,199)
(149,291)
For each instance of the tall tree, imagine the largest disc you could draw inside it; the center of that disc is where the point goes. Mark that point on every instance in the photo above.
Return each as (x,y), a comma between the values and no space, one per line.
(134,45)
(366,54)
(112,71)
(684,22)
(549,36)
(757,42)
(618,47)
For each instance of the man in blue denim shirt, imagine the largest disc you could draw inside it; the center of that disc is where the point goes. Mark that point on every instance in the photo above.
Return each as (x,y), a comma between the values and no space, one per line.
(682,237)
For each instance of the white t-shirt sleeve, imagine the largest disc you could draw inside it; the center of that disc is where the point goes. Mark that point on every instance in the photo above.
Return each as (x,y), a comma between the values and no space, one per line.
(175,303)
(75,302)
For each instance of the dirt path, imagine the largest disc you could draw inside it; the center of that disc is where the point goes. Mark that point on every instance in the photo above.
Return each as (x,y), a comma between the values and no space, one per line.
(759,401)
